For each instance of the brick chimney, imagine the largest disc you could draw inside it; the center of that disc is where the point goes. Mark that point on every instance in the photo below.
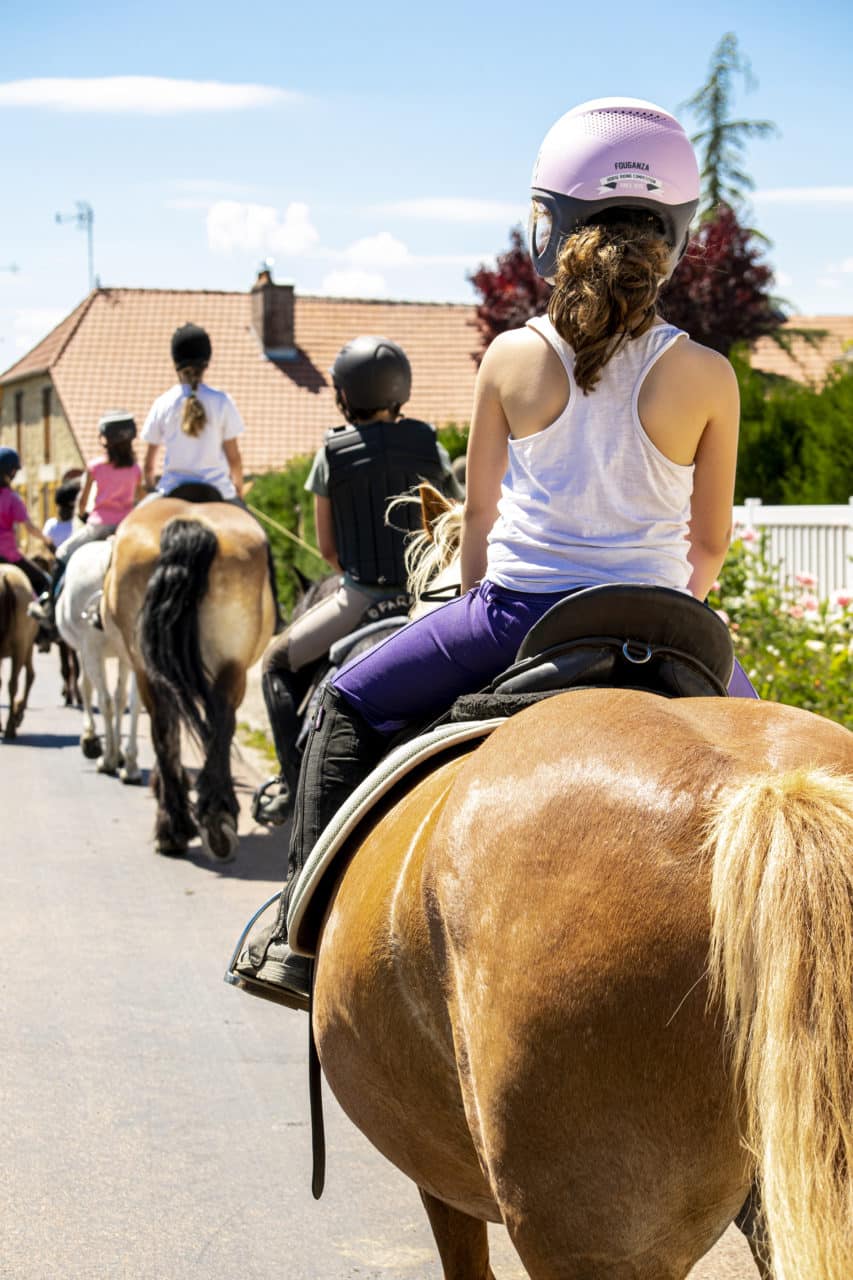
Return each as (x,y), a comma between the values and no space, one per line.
(272,315)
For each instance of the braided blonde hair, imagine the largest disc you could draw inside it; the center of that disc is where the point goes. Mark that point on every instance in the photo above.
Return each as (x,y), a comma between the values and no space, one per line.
(194,416)
(609,275)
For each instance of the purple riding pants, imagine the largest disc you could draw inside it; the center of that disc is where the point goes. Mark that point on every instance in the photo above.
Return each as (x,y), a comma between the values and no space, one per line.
(458,648)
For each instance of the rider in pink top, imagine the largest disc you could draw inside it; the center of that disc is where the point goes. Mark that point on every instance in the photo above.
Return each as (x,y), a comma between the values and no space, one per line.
(117,484)
(115,491)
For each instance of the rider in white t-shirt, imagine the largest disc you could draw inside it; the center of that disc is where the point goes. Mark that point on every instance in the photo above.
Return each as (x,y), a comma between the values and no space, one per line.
(196,424)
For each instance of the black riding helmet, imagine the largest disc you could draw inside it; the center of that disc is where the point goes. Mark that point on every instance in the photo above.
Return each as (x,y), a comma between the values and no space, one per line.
(372,373)
(9,461)
(190,346)
(116,426)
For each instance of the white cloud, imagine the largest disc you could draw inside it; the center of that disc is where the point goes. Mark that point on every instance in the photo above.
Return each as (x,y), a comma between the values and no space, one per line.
(381,250)
(232,224)
(804,195)
(145,95)
(847,265)
(783,280)
(453,209)
(829,282)
(355,284)
(31,324)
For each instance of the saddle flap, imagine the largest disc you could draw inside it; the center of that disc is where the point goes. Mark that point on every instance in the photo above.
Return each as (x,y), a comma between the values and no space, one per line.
(640,617)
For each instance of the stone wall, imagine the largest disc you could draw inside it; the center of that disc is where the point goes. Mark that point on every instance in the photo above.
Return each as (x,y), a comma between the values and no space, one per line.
(45,442)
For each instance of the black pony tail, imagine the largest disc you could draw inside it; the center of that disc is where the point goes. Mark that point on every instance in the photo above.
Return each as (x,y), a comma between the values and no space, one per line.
(8,605)
(169,631)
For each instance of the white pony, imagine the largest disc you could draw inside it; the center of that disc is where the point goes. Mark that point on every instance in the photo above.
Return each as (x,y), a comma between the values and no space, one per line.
(80,596)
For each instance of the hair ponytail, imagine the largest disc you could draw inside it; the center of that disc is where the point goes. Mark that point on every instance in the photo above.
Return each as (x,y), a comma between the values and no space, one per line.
(609,274)
(194,416)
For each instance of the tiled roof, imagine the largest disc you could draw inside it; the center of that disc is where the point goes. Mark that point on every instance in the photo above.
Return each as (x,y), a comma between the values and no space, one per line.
(808,362)
(40,357)
(112,352)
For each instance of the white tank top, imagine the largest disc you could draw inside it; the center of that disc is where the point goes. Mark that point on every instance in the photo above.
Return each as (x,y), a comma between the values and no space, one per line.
(590,499)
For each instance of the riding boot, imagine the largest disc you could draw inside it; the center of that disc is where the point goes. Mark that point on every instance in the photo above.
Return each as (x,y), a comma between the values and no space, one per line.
(273,800)
(342,749)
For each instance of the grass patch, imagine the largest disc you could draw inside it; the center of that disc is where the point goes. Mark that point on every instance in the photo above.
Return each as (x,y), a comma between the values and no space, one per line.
(258,741)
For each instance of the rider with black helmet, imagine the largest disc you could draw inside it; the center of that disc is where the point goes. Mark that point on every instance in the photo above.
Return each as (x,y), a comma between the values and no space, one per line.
(115,484)
(374,456)
(13,511)
(198,427)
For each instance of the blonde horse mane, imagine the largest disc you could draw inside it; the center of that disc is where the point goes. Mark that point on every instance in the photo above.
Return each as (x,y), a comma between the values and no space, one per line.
(433,549)
(782,965)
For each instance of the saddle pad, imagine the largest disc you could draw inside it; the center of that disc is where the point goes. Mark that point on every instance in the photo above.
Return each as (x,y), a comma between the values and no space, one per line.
(302,925)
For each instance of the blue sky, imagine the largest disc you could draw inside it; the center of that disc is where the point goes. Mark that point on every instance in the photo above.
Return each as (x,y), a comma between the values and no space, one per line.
(374,150)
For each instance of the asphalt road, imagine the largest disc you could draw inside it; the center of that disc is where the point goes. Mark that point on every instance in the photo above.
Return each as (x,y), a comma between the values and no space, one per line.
(153,1120)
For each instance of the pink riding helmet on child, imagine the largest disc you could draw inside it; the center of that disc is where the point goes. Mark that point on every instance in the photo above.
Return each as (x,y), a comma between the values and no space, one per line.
(611,153)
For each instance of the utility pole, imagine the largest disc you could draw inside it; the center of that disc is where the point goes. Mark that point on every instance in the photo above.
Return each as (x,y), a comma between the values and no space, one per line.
(85,220)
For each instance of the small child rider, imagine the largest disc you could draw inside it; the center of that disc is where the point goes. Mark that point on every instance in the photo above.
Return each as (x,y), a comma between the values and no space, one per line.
(115,482)
(13,512)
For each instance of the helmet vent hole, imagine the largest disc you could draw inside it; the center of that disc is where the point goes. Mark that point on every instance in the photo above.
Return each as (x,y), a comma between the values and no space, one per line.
(624,124)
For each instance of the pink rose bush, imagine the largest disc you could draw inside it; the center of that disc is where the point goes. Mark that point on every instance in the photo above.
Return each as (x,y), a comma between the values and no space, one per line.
(795,646)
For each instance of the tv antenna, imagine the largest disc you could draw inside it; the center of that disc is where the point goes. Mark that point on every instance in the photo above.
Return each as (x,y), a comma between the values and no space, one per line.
(85,220)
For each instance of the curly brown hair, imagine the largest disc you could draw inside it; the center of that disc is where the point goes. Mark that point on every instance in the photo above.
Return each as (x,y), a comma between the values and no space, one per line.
(609,274)
(194,416)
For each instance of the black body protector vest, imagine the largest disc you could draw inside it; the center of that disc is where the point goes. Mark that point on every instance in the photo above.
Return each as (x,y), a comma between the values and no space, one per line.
(368,465)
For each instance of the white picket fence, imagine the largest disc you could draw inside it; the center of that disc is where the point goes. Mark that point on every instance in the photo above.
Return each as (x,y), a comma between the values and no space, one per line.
(814,540)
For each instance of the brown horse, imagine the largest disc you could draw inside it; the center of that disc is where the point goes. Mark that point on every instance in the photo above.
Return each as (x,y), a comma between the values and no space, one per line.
(17,637)
(188,594)
(594,980)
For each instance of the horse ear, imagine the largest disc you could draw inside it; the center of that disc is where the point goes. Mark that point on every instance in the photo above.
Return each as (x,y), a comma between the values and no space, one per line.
(433,505)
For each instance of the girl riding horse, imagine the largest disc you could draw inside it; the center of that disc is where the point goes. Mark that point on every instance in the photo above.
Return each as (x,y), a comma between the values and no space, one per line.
(198,426)
(602,449)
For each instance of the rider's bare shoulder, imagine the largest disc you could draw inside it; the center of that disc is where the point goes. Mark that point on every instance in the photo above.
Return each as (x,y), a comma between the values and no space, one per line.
(687,390)
(529,379)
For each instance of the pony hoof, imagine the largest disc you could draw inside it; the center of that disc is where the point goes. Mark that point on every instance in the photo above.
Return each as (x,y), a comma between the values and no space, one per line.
(131,778)
(110,769)
(220,842)
(91,747)
(170,849)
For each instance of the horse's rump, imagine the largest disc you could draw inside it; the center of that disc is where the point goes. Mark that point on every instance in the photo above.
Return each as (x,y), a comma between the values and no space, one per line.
(511,996)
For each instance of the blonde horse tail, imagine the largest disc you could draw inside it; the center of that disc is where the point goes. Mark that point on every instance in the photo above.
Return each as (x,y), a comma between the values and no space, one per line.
(782,966)
(169,623)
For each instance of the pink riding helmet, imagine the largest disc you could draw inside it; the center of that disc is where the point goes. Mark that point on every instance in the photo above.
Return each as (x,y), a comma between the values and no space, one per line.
(611,152)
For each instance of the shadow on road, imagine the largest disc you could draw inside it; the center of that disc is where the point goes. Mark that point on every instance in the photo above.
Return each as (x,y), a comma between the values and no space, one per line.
(24,739)
(261,856)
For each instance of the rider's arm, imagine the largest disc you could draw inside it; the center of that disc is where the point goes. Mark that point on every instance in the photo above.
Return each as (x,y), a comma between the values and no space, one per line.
(235,464)
(714,481)
(324,523)
(83,496)
(487,460)
(36,532)
(148,466)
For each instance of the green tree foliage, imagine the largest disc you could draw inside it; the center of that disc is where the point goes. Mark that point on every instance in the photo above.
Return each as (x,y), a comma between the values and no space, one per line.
(796,442)
(722,140)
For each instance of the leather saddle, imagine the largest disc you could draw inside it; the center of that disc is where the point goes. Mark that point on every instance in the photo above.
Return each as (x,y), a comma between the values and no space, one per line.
(624,636)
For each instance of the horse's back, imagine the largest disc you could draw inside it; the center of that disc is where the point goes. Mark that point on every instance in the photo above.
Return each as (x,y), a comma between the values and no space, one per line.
(536,947)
